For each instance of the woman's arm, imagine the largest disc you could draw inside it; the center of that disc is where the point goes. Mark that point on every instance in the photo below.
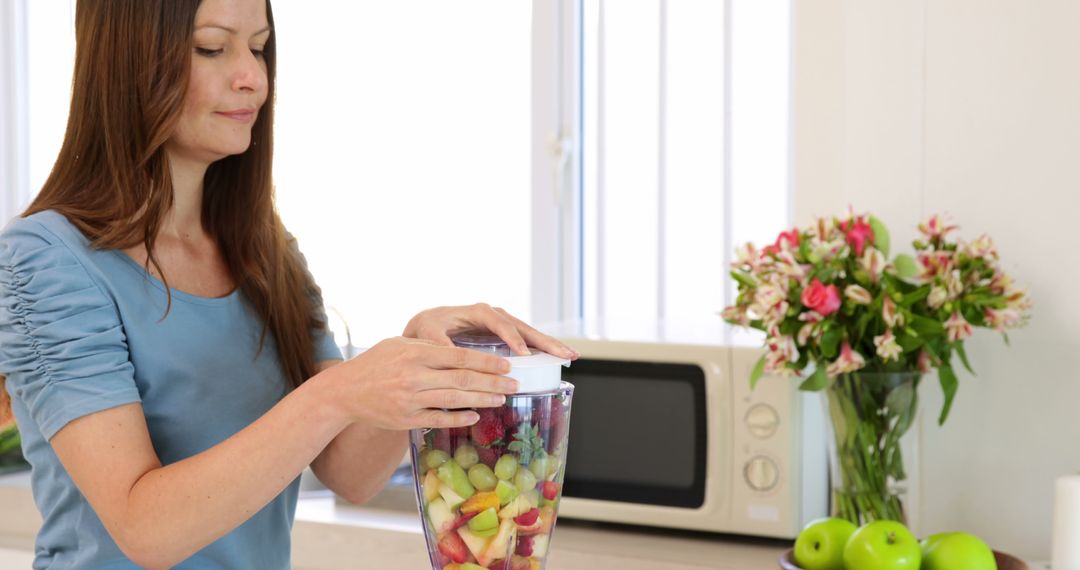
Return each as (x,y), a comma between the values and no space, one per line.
(160,516)
(358,462)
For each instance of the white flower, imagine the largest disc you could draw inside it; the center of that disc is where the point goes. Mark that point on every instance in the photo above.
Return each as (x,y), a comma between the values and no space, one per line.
(887,348)
(890,315)
(873,263)
(937,298)
(982,248)
(1001,319)
(848,361)
(954,284)
(858,294)
(957,327)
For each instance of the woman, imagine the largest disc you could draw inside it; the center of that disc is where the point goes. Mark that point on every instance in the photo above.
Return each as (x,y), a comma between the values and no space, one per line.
(164,346)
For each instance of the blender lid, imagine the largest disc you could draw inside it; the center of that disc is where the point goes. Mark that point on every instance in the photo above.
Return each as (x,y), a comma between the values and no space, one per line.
(537,372)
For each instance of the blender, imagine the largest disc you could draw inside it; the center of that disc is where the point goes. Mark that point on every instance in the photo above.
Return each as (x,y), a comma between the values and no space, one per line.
(489,493)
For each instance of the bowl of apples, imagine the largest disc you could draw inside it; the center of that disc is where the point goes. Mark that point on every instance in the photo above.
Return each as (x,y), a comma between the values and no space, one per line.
(837,544)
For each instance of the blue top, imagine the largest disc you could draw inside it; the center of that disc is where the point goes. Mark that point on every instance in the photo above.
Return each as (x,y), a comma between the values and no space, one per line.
(81,331)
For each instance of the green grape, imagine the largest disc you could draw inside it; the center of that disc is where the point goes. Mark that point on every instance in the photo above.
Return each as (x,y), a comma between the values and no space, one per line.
(524,480)
(553,465)
(506,492)
(539,465)
(435,458)
(453,475)
(482,477)
(506,467)
(466,456)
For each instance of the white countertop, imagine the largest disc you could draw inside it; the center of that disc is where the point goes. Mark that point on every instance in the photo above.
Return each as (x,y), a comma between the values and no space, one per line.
(386,534)
(331,535)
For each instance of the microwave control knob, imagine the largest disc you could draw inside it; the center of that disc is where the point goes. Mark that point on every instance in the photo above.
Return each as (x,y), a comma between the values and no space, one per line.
(762,421)
(761,473)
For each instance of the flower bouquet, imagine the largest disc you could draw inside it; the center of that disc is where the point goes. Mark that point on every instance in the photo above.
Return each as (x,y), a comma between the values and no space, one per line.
(839,312)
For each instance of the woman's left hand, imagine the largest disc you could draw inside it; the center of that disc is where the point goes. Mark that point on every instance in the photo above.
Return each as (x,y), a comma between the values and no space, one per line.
(440,323)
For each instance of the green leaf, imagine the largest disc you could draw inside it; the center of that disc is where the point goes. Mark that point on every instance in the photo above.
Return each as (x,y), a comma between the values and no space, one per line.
(759,369)
(864,321)
(959,346)
(926,327)
(830,341)
(881,236)
(817,381)
(743,279)
(906,267)
(908,342)
(949,384)
(915,296)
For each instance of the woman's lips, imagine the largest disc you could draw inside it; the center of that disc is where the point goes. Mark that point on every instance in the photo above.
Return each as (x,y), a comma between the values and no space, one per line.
(241,115)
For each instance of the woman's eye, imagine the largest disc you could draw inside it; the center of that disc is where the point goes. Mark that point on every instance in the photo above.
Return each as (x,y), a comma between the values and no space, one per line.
(260,53)
(206,52)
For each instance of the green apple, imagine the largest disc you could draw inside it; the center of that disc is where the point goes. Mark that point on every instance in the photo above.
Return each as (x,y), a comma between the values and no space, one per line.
(820,545)
(956,551)
(882,545)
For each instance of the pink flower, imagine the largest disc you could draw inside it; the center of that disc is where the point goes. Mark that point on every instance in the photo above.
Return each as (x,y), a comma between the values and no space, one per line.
(848,361)
(787,240)
(825,300)
(935,227)
(887,347)
(934,263)
(957,327)
(858,234)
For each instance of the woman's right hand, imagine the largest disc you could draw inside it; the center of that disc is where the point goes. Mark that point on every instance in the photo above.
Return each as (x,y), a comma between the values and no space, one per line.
(404,383)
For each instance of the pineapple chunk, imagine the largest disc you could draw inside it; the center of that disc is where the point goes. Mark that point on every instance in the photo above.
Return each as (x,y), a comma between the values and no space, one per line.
(431,486)
(480,502)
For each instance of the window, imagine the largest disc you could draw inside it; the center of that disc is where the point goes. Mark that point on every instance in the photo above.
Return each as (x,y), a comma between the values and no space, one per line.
(597,158)
(685,149)
(402,154)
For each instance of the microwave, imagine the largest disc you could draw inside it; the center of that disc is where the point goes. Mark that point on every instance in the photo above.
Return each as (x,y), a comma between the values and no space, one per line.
(666,431)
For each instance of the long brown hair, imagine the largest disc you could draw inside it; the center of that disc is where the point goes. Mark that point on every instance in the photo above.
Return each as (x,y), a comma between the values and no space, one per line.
(112,178)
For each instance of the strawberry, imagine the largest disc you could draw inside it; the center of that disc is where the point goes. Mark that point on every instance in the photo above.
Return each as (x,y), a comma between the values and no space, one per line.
(550,490)
(453,547)
(524,546)
(489,429)
(527,519)
(461,520)
(489,455)
(442,440)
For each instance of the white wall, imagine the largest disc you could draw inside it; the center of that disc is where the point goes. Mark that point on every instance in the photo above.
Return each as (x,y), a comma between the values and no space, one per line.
(970,107)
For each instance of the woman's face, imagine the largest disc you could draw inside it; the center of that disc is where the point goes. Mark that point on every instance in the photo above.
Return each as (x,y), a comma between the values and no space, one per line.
(228,80)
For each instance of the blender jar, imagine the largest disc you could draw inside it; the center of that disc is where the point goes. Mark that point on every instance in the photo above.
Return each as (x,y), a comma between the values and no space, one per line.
(489,493)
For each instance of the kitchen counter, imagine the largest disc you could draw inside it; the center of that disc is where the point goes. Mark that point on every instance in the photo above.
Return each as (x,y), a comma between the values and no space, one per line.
(385,534)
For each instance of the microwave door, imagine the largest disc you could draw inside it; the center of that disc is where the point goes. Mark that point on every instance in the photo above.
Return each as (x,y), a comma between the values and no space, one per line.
(638,433)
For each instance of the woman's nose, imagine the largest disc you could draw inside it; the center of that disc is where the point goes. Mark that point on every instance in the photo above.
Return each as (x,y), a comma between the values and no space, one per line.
(250,74)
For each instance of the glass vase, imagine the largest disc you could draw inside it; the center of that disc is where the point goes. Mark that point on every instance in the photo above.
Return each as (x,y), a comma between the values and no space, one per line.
(869,412)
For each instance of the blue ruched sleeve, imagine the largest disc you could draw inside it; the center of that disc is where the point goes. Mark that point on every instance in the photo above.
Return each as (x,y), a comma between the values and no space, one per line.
(62,346)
